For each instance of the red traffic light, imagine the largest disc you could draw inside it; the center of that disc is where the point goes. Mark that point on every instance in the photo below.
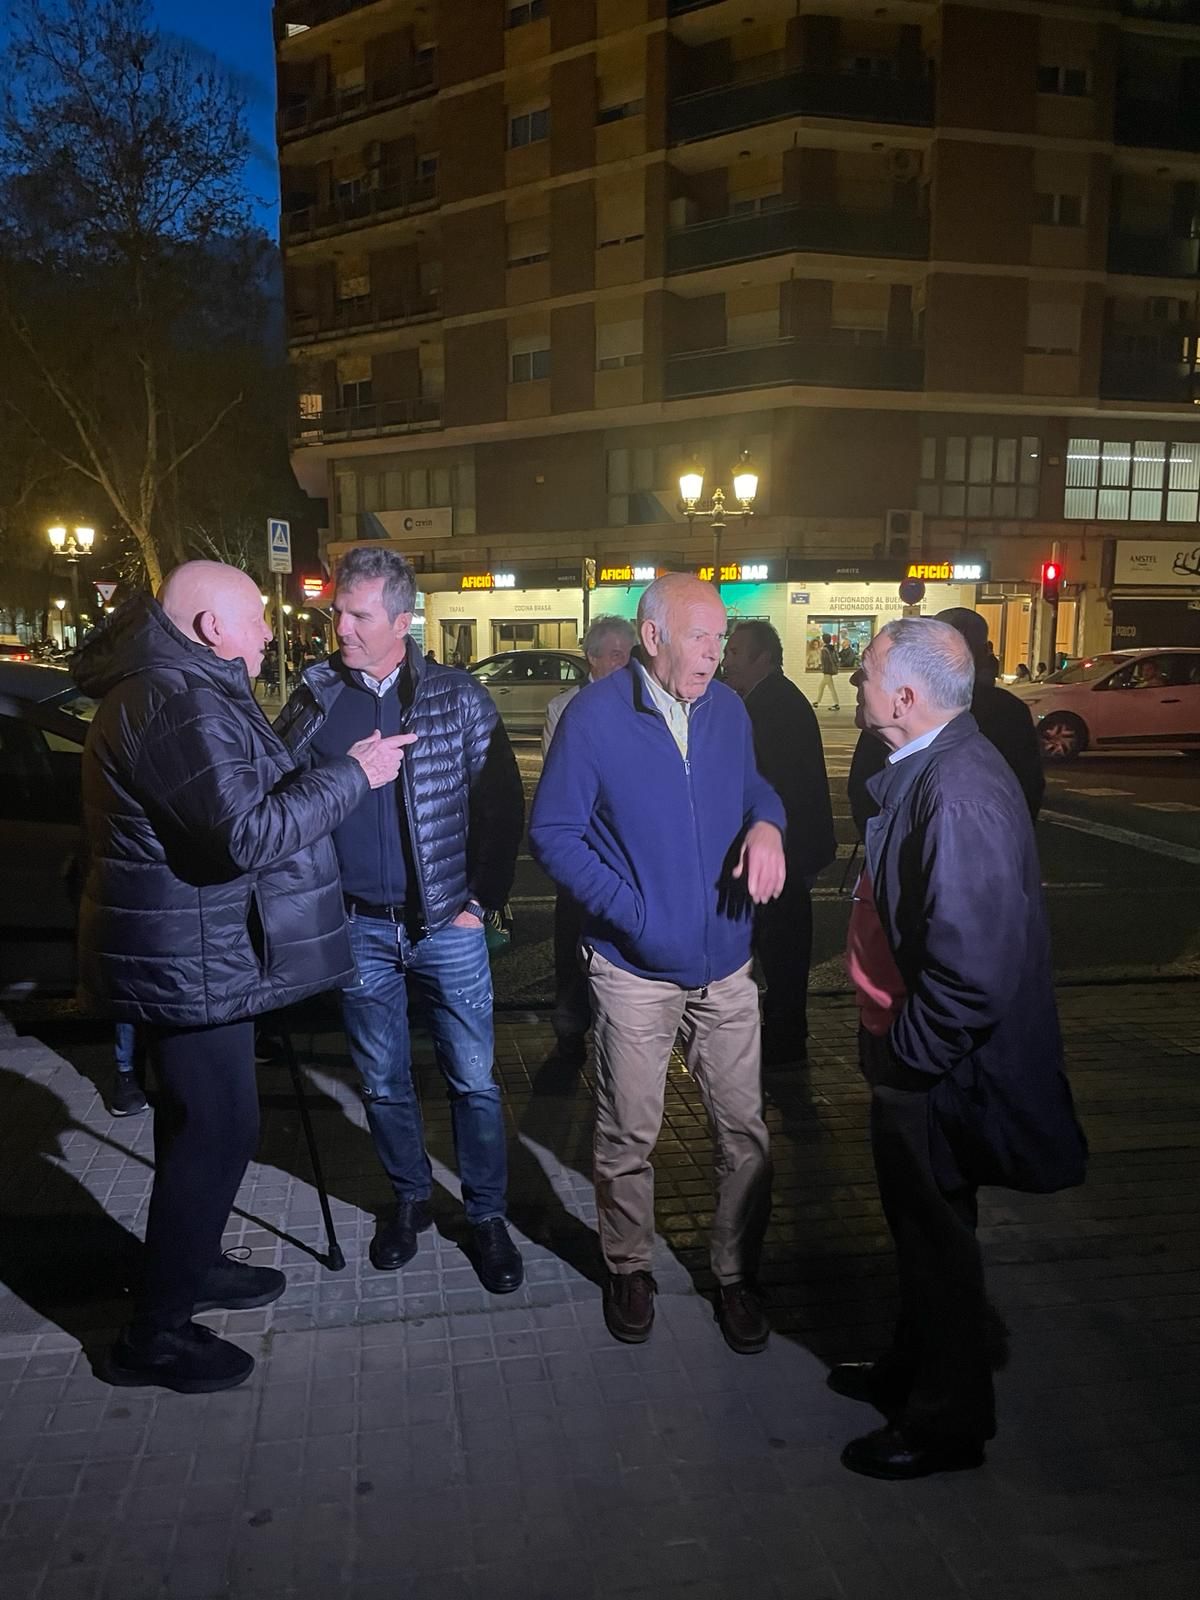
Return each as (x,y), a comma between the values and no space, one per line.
(1051,580)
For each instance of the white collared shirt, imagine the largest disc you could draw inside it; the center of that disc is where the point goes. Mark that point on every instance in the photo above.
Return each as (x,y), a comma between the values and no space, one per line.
(676,713)
(921,742)
(379,686)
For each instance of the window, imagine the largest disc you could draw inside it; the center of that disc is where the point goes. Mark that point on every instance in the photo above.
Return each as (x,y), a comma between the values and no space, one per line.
(356,394)
(752,327)
(528,127)
(1058,210)
(1143,480)
(620,214)
(528,241)
(1053,327)
(353,278)
(349,191)
(427,167)
(618,344)
(312,406)
(618,113)
(354,381)
(526,11)
(979,475)
(529,362)
(1064,80)
(752,205)
(869,66)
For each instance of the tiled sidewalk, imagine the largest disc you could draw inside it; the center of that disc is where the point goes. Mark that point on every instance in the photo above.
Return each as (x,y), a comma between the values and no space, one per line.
(408,1435)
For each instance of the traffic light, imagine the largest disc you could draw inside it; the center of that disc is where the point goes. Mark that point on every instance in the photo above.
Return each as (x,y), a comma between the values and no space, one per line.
(1051,581)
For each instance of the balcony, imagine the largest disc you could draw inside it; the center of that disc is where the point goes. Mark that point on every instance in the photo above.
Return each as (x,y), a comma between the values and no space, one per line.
(349,105)
(368,422)
(1148,378)
(301,15)
(360,316)
(1157,124)
(1161,10)
(832,364)
(1159,255)
(378,204)
(907,101)
(832,230)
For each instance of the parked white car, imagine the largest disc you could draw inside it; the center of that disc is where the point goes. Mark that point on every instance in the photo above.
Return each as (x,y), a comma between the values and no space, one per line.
(1121,700)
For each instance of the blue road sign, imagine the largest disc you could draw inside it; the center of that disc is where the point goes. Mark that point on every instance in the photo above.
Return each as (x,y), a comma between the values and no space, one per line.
(279,545)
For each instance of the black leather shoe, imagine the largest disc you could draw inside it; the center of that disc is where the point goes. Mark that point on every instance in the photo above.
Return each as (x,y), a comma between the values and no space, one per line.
(237,1286)
(189,1360)
(742,1318)
(893,1453)
(629,1306)
(395,1241)
(497,1259)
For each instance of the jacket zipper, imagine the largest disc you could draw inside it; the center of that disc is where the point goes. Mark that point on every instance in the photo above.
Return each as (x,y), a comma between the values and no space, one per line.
(687,768)
(410,813)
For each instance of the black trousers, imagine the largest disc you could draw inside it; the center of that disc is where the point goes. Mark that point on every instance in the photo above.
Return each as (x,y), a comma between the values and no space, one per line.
(572,1003)
(205,1131)
(783,940)
(940,1363)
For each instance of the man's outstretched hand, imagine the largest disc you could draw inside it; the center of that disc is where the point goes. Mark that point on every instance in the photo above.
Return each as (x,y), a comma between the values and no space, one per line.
(762,863)
(380,758)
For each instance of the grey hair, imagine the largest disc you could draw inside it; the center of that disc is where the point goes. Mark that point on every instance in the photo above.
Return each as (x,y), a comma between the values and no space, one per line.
(932,656)
(364,564)
(654,605)
(602,628)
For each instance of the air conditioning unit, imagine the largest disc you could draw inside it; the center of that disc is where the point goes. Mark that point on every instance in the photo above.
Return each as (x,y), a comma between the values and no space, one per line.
(905,163)
(903,532)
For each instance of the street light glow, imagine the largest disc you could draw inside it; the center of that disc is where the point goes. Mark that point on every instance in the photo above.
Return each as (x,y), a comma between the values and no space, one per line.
(58,538)
(85,537)
(691,485)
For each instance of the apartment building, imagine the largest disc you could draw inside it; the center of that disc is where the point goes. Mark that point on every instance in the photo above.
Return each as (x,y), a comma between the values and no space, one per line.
(934,266)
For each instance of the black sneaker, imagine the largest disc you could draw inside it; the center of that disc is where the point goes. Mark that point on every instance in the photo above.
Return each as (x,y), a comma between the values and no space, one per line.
(237,1286)
(497,1259)
(127,1099)
(189,1360)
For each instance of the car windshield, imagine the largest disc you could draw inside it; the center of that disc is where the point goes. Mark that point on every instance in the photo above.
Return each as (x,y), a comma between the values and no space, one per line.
(1086,671)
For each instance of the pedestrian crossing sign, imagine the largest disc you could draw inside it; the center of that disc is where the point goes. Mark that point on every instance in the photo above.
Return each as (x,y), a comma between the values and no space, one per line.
(279,545)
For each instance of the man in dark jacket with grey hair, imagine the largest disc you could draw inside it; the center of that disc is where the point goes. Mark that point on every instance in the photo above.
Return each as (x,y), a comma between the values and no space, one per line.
(211,896)
(423,861)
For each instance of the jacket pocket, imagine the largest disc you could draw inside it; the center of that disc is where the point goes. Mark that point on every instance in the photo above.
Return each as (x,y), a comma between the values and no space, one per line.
(256,930)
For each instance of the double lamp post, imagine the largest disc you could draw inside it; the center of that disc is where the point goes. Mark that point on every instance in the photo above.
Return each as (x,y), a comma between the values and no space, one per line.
(72,544)
(745,490)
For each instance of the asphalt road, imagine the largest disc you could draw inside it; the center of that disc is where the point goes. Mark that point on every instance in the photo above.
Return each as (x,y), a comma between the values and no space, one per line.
(1120,845)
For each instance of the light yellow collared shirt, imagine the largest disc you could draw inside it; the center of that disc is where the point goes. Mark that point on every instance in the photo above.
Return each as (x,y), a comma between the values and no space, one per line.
(676,713)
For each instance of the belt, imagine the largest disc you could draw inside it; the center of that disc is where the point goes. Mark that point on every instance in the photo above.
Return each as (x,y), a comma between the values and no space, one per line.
(364,908)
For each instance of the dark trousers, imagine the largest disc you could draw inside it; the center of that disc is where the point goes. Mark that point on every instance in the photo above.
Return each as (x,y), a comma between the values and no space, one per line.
(940,1364)
(205,1132)
(572,1003)
(783,940)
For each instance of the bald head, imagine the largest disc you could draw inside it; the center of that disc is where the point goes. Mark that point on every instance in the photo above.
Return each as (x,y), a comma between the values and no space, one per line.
(218,606)
(681,627)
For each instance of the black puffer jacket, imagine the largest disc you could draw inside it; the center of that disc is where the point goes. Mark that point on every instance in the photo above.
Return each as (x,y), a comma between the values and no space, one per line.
(462,790)
(212,890)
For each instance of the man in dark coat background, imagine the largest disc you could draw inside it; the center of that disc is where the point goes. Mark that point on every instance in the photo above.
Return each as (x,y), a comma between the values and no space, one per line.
(949,950)
(787,748)
(211,896)
(1001,717)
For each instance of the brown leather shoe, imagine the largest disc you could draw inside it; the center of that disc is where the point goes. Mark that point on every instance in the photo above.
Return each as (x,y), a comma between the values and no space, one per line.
(742,1318)
(629,1306)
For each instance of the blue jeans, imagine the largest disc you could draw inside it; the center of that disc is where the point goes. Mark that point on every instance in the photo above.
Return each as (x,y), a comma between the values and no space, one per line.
(125,1047)
(449,971)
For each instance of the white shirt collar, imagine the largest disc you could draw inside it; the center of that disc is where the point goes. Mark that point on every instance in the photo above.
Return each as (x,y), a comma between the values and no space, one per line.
(379,686)
(921,742)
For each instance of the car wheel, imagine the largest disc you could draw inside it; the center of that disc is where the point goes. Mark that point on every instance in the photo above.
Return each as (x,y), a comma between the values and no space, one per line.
(1063,737)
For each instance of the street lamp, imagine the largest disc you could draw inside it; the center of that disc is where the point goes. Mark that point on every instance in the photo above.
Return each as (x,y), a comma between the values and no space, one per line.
(745,490)
(60,606)
(72,544)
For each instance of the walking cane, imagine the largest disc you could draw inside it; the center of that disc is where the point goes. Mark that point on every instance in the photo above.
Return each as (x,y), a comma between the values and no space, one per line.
(334,1259)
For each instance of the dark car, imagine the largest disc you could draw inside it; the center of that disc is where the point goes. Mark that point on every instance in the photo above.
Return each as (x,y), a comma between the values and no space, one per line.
(43,723)
(523,683)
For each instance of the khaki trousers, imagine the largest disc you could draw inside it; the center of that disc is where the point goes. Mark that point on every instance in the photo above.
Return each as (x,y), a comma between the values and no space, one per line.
(635,1021)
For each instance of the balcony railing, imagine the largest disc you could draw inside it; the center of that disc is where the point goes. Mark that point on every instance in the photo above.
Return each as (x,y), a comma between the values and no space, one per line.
(831,363)
(309,13)
(348,105)
(1161,10)
(1157,124)
(829,229)
(359,316)
(907,101)
(1148,377)
(357,211)
(1159,255)
(370,421)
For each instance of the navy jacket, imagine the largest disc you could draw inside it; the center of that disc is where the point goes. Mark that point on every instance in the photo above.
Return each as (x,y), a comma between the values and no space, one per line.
(212,890)
(645,842)
(956,877)
(462,791)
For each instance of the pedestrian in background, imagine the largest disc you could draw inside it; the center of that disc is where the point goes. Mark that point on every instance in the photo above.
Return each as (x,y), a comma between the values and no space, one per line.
(651,813)
(960,1044)
(423,863)
(1001,717)
(211,896)
(829,672)
(787,747)
(608,645)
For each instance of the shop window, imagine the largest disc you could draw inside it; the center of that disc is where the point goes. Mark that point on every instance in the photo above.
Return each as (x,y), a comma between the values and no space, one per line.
(979,475)
(1144,480)
(850,635)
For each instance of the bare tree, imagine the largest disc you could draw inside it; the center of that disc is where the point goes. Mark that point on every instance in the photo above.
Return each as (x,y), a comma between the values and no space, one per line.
(121,159)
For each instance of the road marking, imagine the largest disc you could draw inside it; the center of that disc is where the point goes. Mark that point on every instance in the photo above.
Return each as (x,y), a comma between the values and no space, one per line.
(1123,793)
(1165,805)
(1139,841)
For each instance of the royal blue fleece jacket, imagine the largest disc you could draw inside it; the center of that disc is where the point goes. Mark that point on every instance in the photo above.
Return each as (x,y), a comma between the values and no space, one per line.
(645,841)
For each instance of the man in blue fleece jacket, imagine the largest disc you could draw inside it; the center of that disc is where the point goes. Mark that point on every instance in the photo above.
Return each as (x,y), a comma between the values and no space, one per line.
(651,813)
